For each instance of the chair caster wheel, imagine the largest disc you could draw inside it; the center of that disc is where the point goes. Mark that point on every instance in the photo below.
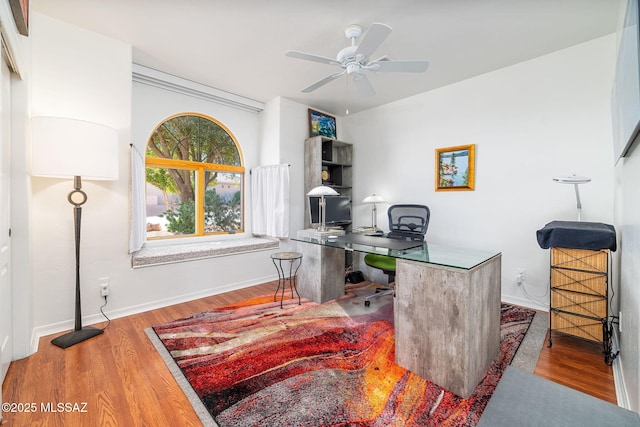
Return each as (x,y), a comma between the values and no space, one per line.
(367,303)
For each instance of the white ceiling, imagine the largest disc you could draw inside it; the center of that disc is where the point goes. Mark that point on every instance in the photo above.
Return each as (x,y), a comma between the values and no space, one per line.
(239,46)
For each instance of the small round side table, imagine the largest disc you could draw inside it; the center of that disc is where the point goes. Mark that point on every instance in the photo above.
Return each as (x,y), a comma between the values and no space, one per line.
(295,260)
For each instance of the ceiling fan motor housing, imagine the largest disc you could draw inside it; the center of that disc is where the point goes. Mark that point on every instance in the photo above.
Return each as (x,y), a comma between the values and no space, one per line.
(352,31)
(346,55)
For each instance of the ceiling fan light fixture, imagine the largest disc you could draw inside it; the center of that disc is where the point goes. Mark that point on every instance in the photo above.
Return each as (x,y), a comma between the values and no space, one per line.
(353,68)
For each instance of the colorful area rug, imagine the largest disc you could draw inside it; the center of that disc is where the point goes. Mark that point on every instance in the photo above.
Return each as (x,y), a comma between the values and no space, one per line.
(332,364)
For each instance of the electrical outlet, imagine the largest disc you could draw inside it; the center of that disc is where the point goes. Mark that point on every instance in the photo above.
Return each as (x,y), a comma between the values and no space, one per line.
(104,286)
(619,321)
(521,276)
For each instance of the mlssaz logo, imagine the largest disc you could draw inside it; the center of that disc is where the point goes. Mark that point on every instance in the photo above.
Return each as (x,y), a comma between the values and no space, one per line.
(63,407)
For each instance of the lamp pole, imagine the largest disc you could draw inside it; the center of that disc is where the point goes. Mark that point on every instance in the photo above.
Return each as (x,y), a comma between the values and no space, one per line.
(77,198)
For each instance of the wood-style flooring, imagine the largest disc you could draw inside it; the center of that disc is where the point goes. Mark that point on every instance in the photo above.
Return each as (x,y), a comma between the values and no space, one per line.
(118,378)
(578,364)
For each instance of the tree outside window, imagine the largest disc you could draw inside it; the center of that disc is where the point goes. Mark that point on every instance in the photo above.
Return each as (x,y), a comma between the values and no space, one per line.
(194,179)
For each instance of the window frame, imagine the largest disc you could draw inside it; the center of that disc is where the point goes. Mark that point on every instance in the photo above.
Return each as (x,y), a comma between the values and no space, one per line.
(199,169)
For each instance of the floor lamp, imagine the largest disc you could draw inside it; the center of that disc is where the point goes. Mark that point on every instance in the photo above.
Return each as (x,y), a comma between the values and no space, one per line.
(68,148)
(321,191)
(575,180)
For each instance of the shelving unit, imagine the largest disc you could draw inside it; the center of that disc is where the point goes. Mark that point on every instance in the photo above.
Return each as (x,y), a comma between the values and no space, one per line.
(327,162)
(579,281)
(579,293)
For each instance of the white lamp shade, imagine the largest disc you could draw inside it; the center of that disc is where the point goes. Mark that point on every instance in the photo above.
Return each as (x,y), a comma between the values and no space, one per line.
(373,199)
(322,190)
(65,148)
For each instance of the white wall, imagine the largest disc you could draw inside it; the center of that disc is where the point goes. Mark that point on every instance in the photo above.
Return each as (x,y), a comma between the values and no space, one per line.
(530,122)
(83,75)
(269,151)
(628,227)
(77,74)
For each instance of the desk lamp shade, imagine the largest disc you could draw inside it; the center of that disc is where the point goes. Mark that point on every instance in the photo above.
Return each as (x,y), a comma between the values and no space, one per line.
(374,212)
(322,190)
(67,148)
(575,180)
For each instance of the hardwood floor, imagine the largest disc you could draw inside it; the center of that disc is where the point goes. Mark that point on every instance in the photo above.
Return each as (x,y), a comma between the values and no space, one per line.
(122,380)
(578,364)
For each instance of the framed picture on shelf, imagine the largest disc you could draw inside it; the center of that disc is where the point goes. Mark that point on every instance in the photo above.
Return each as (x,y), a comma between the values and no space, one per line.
(321,124)
(455,168)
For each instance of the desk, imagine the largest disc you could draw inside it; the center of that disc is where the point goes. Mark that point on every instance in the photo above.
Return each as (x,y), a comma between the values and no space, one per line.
(446,309)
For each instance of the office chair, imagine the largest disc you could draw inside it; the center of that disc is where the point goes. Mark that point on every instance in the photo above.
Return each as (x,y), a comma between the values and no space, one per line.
(407,222)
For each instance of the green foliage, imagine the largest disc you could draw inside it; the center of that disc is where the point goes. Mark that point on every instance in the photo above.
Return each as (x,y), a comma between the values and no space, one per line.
(218,216)
(195,139)
(465,178)
(160,178)
(182,221)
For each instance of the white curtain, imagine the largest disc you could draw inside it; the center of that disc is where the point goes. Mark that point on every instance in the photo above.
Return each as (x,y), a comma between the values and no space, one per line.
(270,201)
(138,219)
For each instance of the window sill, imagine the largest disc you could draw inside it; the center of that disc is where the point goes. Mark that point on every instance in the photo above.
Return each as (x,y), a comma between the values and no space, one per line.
(159,255)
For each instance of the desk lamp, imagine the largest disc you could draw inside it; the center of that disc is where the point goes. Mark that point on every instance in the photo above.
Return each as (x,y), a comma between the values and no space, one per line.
(374,212)
(322,190)
(575,180)
(67,148)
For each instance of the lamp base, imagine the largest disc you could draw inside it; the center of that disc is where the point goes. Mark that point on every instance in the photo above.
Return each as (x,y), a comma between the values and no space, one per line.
(75,337)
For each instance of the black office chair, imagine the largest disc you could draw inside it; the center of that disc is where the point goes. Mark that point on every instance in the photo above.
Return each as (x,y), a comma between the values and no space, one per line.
(407,222)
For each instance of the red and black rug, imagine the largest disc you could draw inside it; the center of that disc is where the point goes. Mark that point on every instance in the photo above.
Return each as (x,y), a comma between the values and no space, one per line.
(332,364)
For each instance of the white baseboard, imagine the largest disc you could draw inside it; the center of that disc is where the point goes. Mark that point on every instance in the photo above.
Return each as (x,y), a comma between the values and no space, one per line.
(618,377)
(53,328)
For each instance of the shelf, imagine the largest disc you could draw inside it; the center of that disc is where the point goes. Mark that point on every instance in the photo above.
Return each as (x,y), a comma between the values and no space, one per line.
(328,162)
(579,293)
(329,184)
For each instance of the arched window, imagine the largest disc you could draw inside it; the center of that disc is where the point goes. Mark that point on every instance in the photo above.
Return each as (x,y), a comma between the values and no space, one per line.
(194,178)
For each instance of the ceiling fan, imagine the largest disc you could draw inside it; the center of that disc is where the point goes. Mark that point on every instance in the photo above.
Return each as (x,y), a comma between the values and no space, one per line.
(355,59)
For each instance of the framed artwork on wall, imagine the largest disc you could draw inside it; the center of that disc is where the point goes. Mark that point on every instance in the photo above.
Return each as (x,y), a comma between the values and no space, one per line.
(321,124)
(455,168)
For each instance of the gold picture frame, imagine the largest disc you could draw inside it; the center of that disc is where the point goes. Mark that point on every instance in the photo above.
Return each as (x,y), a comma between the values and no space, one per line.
(455,168)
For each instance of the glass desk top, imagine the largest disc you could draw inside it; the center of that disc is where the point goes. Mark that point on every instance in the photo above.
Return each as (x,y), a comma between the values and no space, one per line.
(426,252)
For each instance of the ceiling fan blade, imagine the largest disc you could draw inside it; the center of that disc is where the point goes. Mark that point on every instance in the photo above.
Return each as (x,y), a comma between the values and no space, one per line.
(322,82)
(416,66)
(373,38)
(363,85)
(310,57)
